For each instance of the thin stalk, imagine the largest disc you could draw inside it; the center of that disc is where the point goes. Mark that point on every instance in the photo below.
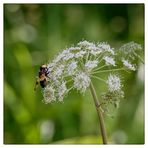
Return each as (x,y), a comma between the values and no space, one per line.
(99,57)
(101,120)
(87,56)
(110,70)
(98,78)
(99,68)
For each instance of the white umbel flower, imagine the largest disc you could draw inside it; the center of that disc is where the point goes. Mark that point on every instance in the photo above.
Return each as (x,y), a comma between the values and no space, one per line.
(114,83)
(49,94)
(71,68)
(128,65)
(75,66)
(109,60)
(81,81)
(90,65)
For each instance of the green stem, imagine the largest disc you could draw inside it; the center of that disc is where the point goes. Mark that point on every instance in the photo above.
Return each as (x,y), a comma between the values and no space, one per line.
(99,68)
(98,78)
(101,120)
(110,70)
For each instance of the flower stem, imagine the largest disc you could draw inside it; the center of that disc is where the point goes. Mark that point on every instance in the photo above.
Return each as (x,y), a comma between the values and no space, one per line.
(98,78)
(101,120)
(110,70)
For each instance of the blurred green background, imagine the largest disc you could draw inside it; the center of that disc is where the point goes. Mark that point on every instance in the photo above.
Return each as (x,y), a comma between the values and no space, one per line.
(33,35)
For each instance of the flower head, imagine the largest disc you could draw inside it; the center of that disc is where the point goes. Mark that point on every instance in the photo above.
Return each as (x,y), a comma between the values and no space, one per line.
(81,81)
(95,51)
(114,83)
(130,47)
(49,95)
(71,68)
(109,60)
(62,91)
(128,65)
(90,65)
(106,47)
(131,50)
(57,72)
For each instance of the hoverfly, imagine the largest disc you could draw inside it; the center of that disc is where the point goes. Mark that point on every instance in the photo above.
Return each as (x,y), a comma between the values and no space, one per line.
(42,77)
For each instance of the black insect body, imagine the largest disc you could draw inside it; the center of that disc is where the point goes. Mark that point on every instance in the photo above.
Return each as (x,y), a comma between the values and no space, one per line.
(42,77)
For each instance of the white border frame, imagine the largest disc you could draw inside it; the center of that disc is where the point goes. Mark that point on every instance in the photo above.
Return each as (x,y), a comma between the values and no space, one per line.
(2,2)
